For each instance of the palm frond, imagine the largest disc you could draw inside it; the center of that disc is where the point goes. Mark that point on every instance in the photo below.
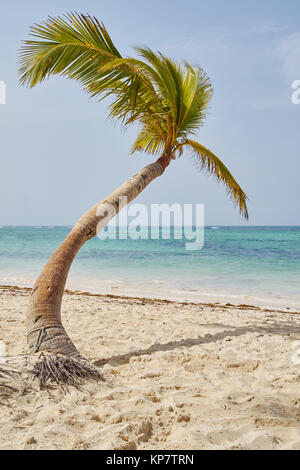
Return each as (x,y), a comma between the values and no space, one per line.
(136,95)
(148,142)
(205,160)
(197,93)
(75,46)
(185,91)
(80,48)
(167,76)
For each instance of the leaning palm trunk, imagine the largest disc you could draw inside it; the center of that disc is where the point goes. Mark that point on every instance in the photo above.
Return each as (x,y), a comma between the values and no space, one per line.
(45,331)
(170,103)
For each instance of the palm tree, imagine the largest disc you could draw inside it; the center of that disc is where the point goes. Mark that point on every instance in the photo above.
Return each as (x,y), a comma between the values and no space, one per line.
(167,99)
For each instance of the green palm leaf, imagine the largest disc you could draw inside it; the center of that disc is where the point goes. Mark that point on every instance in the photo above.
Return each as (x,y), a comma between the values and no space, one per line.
(80,48)
(205,160)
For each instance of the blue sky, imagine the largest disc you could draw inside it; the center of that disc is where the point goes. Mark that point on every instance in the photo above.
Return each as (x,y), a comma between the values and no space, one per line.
(60,155)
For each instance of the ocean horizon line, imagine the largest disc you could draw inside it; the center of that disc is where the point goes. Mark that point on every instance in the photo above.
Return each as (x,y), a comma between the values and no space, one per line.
(151,226)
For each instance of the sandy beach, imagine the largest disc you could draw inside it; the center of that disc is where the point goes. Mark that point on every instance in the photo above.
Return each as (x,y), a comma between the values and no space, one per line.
(177,376)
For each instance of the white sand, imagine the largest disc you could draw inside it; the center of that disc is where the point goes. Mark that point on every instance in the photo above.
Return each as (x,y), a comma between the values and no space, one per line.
(178,376)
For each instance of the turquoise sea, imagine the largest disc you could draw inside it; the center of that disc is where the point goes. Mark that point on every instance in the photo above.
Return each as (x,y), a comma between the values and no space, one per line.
(258,265)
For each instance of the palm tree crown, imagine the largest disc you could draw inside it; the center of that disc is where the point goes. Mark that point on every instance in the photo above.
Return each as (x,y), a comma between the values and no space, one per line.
(169,100)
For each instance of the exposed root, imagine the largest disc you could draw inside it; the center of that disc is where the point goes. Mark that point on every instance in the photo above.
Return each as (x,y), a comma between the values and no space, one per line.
(63,371)
(12,381)
(30,373)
